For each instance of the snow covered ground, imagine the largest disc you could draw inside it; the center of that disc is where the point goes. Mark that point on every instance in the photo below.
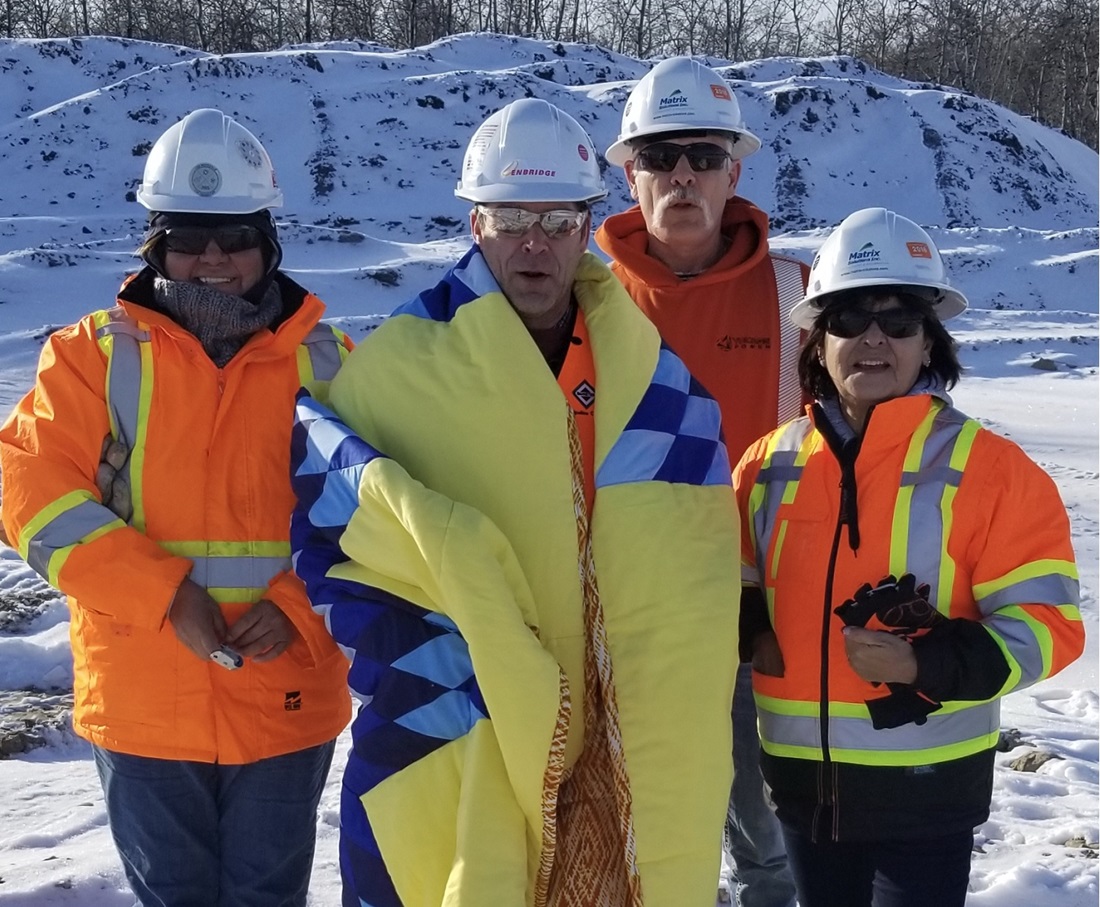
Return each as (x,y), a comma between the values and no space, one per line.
(367,144)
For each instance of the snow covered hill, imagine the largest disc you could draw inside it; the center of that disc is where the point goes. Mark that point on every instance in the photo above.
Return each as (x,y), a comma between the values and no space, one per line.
(368,142)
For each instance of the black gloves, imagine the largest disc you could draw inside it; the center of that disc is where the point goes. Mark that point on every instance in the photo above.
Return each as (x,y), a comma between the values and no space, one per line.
(900,607)
(897,606)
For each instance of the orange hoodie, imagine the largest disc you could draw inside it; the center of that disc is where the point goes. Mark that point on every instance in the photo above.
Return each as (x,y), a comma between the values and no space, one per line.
(724,324)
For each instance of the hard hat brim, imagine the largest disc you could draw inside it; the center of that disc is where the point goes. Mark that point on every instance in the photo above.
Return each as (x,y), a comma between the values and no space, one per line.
(950,303)
(533,191)
(620,152)
(212,205)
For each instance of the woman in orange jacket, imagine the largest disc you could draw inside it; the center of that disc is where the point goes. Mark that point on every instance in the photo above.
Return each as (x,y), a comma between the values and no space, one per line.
(906,569)
(210,691)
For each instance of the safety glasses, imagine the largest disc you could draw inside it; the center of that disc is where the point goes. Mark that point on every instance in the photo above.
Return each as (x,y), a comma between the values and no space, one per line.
(517,221)
(851,321)
(662,157)
(194,240)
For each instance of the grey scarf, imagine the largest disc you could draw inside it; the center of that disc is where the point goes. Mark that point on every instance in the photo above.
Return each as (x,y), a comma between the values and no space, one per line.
(221,322)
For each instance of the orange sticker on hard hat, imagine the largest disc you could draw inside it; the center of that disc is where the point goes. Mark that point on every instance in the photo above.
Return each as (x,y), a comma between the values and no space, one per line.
(583,152)
(918,250)
(721,92)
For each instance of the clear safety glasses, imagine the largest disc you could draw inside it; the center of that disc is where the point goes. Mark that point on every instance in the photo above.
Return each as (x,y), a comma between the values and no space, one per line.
(517,221)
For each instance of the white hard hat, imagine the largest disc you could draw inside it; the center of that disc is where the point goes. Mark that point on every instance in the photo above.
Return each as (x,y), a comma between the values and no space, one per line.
(679,95)
(530,151)
(208,163)
(874,247)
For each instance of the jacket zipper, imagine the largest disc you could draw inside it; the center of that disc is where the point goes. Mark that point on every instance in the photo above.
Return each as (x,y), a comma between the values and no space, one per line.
(847,515)
(826,787)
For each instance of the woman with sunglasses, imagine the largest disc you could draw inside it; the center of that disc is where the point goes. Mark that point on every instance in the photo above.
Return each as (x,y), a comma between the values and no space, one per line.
(907,569)
(209,690)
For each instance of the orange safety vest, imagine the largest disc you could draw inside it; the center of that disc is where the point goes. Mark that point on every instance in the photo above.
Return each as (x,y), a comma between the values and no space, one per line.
(577,380)
(208,472)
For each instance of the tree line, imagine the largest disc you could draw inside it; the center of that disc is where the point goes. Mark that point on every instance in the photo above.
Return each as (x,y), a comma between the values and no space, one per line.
(1036,57)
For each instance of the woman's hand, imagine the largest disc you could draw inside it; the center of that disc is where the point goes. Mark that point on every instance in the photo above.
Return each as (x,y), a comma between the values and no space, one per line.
(879,657)
(262,633)
(197,619)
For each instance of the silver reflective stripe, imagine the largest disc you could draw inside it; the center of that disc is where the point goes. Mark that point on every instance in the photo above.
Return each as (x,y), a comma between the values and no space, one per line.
(1052,589)
(777,473)
(124,374)
(789,289)
(944,475)
(1019,634)
(65,530)
(949,727)
(324,352)
(929,505)
(237,572)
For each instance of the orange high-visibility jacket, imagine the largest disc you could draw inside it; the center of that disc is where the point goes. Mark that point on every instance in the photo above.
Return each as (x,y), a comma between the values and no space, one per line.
(209,476)
(729,324)
(963,510)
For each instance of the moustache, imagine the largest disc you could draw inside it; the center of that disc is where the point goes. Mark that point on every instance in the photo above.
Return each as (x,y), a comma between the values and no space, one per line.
(681,194)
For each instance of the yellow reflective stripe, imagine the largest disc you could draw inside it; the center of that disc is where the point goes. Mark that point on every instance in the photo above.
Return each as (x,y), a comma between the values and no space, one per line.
(136,463)
(808,708)
(202,548)
(954,728)
(61,555)
(1069,612)
(923,756)
(899,530)
(52,533)
(225,595)
(773,569)
(960,456)
(305,365)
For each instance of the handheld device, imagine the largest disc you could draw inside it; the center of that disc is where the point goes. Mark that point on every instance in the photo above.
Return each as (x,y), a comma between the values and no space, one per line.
(228,658)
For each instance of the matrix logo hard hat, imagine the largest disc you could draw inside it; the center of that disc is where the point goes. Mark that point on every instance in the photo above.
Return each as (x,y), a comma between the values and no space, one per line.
(679,95)
(874,247)
(866,254)
(675,101)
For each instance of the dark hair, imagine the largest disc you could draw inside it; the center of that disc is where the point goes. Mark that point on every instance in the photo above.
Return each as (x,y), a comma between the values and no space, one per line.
(944,359)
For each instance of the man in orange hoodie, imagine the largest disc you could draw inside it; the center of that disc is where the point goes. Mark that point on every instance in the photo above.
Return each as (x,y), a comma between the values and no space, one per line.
(694,257)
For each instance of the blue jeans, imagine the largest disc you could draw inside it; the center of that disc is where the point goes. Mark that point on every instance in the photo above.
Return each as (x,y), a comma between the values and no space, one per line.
(195,834)
(925,872)
(754,838)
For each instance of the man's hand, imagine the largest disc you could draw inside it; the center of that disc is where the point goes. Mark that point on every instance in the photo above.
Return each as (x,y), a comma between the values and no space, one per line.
(880,657)
(262,633)
(767,657)
(197,619)
(114,491)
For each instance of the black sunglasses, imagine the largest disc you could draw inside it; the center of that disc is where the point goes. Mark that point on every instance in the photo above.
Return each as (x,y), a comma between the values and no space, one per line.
(851,321)
(662,157)
(194,240)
